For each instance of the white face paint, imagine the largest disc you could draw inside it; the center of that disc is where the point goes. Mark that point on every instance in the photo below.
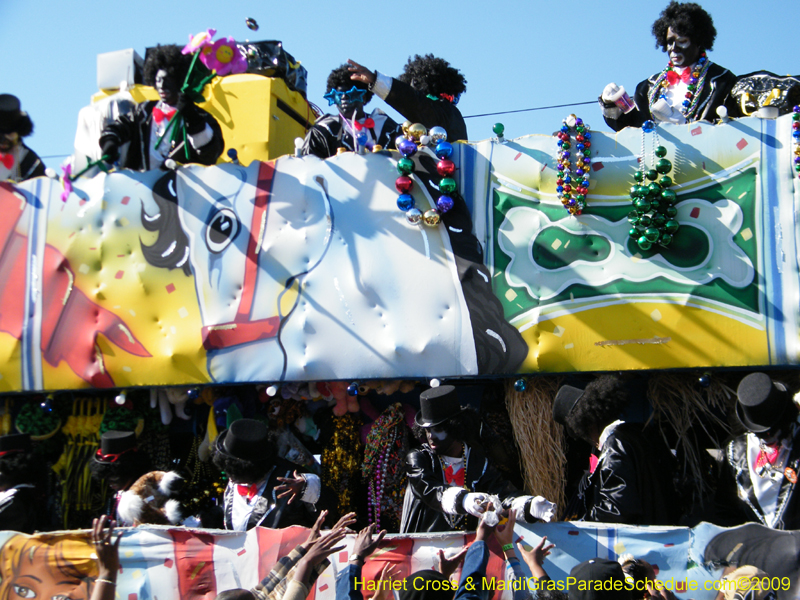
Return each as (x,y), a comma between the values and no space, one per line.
(442,442)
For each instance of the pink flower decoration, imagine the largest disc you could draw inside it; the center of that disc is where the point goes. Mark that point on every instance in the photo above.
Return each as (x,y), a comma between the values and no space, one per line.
(66,181)
(224,57)
(198,41)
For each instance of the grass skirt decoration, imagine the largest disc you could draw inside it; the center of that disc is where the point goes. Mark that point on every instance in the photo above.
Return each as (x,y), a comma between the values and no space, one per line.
(539,438)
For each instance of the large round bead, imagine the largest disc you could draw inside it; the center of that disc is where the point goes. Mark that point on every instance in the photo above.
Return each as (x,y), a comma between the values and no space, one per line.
(444,203)
(669,196)
(405,202)
(665,181)
(431,217)
(399,140)
(498,129)
(645,221)
(642,205)
(671,212)
(648,126)
(405,166)
(447,185)
(644,243)
(654,189)
(407,147)
(659,220)
(672,226)
(437,134)
(651,174)
(651,233)
(661,152)
(444,149)
(414,215)
(403,184)
(663,166)
(445,167)
(634,232)
(416,131)
(406,125)
(639,176)
(665,239)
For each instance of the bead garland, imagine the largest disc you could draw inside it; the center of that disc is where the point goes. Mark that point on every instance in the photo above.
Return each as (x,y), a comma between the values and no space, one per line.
(384,468)
(407,144)
(697,80)
(796,139)
(653,216)
(573,197)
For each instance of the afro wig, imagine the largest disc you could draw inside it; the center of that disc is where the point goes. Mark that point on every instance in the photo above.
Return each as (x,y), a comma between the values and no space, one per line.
(340,78)
(465,427)
(169,58)
(433,76)
(243,471)
(687,19)
(601,403)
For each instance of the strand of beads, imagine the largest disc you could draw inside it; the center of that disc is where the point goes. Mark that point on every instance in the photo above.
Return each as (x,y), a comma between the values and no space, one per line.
(408,144)
(376,485)
(573,197)
(653,216)
(695,85)
(796,138)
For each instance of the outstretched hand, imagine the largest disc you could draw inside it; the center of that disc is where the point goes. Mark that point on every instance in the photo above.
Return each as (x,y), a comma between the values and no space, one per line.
(448,566)
(291,486)
(534,557)
(106,547)
(365,544)
(505,533)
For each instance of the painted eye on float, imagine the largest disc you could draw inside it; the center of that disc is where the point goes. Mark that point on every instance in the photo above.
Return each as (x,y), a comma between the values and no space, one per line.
(221,230)
(24,592)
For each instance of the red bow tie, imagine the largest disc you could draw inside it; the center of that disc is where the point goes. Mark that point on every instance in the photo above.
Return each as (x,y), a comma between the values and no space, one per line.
(248,491)
(159,115)
(454,478)
(768,455)
(7,159)
(673,76)
(368,123)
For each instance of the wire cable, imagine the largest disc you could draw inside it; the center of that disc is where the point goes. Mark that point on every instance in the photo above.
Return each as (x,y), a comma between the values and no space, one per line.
(508,112)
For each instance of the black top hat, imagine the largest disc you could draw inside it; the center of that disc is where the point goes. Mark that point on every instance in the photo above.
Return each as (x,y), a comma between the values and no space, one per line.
(762,402)
(566,399)
(113,444)
(14,442)
(245,439)
(598,570)
(12,117)
(437,405)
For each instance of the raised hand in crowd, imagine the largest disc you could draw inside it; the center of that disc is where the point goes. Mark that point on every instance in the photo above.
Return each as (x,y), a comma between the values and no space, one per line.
(534,557)
(106,548)
(365,544)
(448,566)
(384,590)
(485,531)
(318,551)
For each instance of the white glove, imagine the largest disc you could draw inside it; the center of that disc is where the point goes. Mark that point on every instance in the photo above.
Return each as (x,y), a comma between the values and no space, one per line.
(609,92)
(474,503)
(542,509)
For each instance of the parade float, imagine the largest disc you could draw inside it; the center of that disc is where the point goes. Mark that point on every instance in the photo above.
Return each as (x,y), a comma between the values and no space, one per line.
(130,298)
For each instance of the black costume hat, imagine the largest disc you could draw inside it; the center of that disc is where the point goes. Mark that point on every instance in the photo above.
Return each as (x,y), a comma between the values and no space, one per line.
(245,439)
(437,405)
(566,399)
(762,402)
(14,442)
(114,444)
(598,570)
(12,117)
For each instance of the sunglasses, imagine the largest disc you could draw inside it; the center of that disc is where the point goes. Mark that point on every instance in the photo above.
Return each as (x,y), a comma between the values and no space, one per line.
(352,95)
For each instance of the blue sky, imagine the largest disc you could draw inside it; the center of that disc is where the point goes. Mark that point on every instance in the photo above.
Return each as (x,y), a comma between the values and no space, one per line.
(515,54)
